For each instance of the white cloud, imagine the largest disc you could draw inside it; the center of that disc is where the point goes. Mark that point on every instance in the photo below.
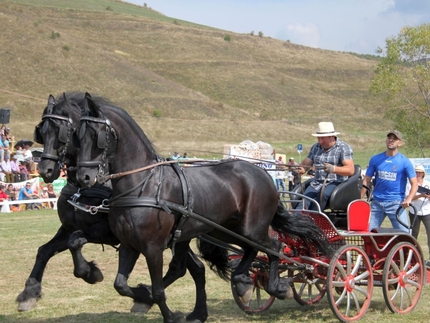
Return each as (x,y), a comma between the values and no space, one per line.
(359,26)
(305,34)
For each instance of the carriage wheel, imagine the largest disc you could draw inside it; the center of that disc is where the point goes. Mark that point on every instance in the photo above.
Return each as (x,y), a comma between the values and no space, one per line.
(307,288)
(259,301)
(403,278)
(349,283)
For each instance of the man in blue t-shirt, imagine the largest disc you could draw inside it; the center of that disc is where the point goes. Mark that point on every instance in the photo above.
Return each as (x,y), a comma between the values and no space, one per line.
(26,193)
(391,170)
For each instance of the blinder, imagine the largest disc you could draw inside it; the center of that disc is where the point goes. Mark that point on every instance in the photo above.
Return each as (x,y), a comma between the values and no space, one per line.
(37,136)
(101,139)
(79,134)
(42,128)
(62,134)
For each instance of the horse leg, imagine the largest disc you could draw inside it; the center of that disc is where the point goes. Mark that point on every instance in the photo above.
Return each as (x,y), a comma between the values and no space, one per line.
(141,294)
(154,259)
(33,286)
(197,271)
(184,258)
(276,286)
(88,271)
(240,277)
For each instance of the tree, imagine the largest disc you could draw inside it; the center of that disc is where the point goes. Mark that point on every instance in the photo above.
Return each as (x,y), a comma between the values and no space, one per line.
(403,79)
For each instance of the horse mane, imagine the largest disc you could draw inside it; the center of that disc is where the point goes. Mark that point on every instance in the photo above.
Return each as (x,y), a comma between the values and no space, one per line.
(67,100)
(105,104)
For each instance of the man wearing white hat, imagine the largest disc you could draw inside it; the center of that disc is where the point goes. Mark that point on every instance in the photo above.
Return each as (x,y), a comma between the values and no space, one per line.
(391,170)
(333,163)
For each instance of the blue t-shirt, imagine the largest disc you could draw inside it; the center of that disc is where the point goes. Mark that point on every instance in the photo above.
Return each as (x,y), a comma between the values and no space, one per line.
(21,193)
(391,174)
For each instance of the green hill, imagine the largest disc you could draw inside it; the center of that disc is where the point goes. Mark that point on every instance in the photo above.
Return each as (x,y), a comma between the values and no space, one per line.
(191,88)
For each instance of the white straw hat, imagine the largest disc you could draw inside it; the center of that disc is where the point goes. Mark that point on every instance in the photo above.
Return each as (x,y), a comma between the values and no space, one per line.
(420,168)
(325,129)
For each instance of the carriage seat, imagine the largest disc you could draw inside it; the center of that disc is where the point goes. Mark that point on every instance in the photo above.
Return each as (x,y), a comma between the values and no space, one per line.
(343,194)
(358,215)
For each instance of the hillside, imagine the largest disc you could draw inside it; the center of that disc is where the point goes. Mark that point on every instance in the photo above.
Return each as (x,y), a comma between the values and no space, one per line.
(206,89)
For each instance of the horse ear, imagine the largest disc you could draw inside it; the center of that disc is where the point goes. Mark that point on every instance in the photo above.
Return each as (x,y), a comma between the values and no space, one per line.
(51,103)
(90,105)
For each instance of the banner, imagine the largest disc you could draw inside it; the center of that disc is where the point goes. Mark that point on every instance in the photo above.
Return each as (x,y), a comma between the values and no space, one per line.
(37,184)
(425,162)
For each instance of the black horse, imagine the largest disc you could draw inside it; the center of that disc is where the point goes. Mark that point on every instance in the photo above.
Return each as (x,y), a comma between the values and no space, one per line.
(83,224)
(156,205)
(59,120)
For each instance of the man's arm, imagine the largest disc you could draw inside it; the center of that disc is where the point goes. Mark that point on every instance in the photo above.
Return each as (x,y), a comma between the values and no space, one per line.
(305,165)
(346,170)
(414,188)
(366,183)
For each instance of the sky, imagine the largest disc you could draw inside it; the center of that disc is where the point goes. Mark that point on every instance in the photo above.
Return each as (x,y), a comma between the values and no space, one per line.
(359,26)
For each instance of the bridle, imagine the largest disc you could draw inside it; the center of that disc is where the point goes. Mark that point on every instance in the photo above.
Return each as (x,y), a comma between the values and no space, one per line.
(63,136)
(103,141)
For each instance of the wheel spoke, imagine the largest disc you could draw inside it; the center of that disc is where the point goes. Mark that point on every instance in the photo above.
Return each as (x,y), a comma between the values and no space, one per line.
(413,269)
(348,262)
(395,268)
(408,259)
(258,296)
(341,297)
(356,302)
(362,291)
(362,276)
(393,281)
(357,265)
(401,259)
(341,270)
(348,305)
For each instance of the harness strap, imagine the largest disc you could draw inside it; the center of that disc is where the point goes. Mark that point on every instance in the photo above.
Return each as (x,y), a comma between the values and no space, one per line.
(134,201)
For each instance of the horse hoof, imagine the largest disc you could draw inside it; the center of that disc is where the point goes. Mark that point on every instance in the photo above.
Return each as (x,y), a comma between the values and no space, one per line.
(140,308)
(179,317)
(247,296)
(289,294)
(284,289)
(194,321)
(27,305)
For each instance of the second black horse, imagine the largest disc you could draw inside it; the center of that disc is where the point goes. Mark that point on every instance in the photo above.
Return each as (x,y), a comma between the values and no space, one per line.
(155,205)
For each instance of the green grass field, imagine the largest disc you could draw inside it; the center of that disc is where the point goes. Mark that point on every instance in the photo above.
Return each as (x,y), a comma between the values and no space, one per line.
(69,300)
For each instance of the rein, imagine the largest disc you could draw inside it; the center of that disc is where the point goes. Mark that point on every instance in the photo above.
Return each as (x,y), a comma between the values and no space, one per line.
(133,171)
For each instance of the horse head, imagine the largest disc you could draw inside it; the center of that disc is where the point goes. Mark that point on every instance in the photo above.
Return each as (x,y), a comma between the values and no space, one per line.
(95,137)
(54,132)
(106,132)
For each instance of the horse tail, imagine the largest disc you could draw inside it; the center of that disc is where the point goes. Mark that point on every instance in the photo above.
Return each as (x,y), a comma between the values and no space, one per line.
(301,226)
(216,257)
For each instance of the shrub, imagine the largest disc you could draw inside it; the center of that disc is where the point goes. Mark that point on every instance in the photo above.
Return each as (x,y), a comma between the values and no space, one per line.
(260,33)
(109,8)
(54,35)
(66,48)
(227,38)
(156,113)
